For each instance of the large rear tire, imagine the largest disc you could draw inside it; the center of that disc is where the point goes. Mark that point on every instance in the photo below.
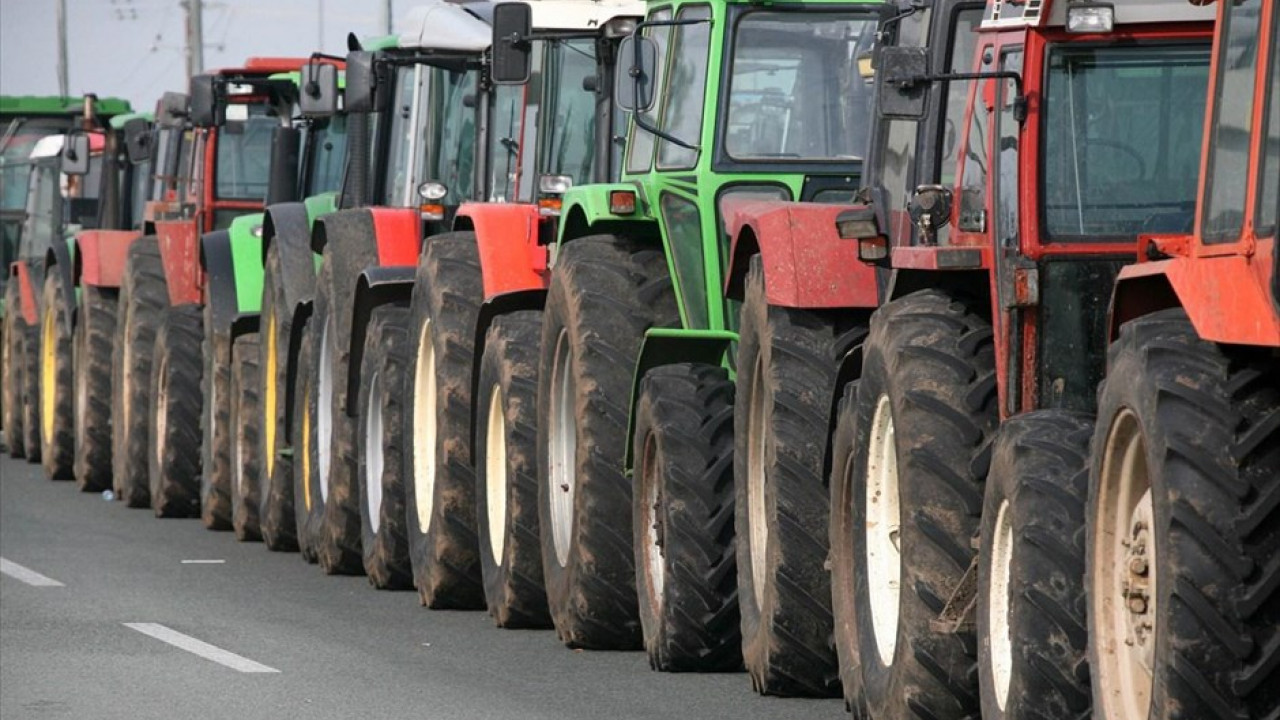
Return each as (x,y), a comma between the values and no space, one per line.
(245,414)
(143,299)
(95,331)
(275,392)
(506,472)
(1184,528)
(175,414)
(910,464)
(683,520)
(605,292)
(439,480)
(787,361)
(11,369)
(381,449)
(57,413)
(215,424)
(1031,606)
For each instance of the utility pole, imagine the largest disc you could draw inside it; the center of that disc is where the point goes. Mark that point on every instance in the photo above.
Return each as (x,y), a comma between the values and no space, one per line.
(195,37)
(64,87)
(320,26)
(384,16)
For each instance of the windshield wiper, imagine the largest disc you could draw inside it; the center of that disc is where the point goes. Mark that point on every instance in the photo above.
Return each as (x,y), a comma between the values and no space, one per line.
(9,132)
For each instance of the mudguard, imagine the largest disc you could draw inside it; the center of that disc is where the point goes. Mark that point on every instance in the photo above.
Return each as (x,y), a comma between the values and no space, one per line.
(376,286)
(498,305)
(21,272)
(101,256)
(511,259)
(664,346)
(215,258)
(246,257)
(61,259)
(806,263)
(180,249)
(288,227)
(585,210)
(1225,297)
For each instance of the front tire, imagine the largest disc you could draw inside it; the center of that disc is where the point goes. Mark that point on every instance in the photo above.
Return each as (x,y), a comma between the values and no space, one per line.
(1182,565)
(215,435)
(143,299)
(95,330)
(11,369)
(57,421)
(175,414)
(276,512)
(245,462)
(306,494)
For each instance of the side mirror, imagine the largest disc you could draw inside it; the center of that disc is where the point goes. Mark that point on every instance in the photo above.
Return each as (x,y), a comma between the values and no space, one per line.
(512,23)
(172,111)
(900,95)
(362,82)
(206,108)
(637,61)
(137,140)
(75,154)
(318,91)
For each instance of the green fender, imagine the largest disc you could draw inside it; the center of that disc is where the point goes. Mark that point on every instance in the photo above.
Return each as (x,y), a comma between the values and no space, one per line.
(585,208)
(246,260)
(318,206)
(666,346)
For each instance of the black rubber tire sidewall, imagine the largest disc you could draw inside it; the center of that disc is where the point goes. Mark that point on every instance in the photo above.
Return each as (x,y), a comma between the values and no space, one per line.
(174,470)
(95,329)
(143,299)
(244,417)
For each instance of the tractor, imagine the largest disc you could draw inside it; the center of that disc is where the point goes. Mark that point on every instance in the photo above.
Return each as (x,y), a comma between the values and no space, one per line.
(959,467)
(731,104)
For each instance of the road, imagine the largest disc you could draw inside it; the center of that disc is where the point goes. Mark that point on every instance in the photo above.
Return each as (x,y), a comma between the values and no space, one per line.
(321,647)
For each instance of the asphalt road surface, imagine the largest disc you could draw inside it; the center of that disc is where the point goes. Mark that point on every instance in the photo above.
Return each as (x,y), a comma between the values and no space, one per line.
(104,614)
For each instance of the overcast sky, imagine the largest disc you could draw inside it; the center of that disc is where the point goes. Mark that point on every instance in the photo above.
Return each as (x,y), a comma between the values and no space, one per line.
(135,48)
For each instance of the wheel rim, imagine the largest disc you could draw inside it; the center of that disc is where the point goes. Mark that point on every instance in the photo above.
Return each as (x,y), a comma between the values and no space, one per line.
(269,398)
(306,445)
(237,461)
(373,457)
(563,450)
(999,605)
(48,375)
(758,535)
(324,412)
(126,375)
(1124,578)
(424,426)
(495,474)
(883,527)
(650,515)
(162,409)
(80,386)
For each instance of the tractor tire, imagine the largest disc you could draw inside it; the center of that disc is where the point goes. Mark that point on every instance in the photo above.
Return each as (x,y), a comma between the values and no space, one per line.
(909,464)
(506,472)
(1183,522)
(143,300)
(787,361)
(95,331)
(605,292)
(305,478)
(246,413)
(1031,605)
(335,502)
(30,389)
(175,414)
(11,370)
(439,480)
(275,513)
(683,520)
(57,412)
(381,449)
(215,427)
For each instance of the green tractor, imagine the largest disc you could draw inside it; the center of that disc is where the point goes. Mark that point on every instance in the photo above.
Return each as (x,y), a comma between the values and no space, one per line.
(738,110)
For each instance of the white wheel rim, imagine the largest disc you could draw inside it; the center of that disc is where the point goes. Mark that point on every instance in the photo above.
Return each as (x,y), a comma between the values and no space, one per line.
(162,409)
(126,376)
(373,457)
(1124,583)
(998,606)
(237,458)
(81,389)
(655,567)
(495,474)
(757,512)
(424,425)
(324,411)
(563,450)
(883,527)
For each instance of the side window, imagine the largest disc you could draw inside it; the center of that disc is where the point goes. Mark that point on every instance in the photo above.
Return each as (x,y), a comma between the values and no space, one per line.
(529,128)
(182,172)
(640,144)
(1007,159)
(328,155)
(504,147)
(682,105)
(973,180)
(1269,168)
(452,149)
(897,142)
(400,137)
(571,131)
(964,43)
(1232,125)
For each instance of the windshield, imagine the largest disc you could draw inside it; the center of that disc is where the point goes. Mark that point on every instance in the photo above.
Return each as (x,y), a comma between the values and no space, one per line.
(794,89)
(41,204)
(451,150)
(244,153)
(328,143)
(1122,129)
(571,131)
(17,139)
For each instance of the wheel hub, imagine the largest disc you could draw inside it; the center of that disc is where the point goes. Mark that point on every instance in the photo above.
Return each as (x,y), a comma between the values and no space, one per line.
(999,604)
(883,531)
(495,474)
(651,516)
(424,424)
(374,460)
(757,512)
(563,450)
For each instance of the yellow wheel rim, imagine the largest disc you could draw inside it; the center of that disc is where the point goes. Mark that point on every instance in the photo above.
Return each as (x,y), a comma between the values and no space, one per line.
(306,448)
(48,374)
(269,396)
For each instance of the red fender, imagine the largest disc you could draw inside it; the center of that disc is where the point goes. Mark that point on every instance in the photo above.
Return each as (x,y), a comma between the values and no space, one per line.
(26,291)
(101,255)
(507,235)
(398,234)
(806,264)
(1225,297)
(180,255)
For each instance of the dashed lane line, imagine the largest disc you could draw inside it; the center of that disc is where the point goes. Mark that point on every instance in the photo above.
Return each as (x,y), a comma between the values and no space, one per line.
(26,574)
(201,648)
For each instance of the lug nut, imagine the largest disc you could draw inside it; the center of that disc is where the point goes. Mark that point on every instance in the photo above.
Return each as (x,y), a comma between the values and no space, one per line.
(1137,604)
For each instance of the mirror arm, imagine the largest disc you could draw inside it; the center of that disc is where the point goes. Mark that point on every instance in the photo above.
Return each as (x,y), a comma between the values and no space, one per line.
(1019,100)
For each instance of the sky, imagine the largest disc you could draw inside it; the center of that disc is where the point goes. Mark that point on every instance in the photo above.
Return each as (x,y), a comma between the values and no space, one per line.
(135,48)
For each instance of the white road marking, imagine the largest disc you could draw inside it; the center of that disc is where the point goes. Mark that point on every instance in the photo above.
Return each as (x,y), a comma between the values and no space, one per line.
(201,648)
(203,562)
(26,575)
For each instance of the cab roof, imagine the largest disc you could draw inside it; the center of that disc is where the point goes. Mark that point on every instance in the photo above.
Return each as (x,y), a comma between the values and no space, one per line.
(445,26)
(1048,13)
